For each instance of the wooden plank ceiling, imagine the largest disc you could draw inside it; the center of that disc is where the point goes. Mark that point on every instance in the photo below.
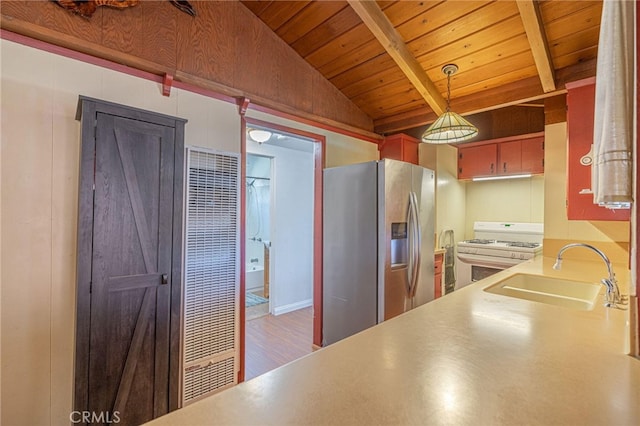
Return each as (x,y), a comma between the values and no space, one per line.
(507,52)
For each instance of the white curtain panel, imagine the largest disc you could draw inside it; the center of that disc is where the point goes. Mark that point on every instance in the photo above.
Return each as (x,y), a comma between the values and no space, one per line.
(612,165)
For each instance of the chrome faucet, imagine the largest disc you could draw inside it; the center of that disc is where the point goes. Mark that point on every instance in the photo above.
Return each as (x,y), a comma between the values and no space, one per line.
(613,298)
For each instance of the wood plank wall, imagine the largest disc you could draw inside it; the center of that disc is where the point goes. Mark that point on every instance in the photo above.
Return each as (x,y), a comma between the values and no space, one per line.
(500,123)
(225,46)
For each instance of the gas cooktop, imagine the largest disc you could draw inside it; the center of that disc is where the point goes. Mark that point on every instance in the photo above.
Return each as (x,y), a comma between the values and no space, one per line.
(501,239)
(501,243)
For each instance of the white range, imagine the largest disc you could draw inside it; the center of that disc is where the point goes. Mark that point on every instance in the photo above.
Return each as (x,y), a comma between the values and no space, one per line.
(496,246)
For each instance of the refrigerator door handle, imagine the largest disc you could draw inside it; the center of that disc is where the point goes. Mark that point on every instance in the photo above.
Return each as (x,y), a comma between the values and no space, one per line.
(410,220)
(417,244)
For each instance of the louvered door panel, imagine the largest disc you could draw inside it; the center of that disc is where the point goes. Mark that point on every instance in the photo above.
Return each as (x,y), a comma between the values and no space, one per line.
(212,272)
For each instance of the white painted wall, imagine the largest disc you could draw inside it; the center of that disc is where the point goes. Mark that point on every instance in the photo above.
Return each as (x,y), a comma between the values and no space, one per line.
(291,257)
(450,192)
(39,165)
(509,200)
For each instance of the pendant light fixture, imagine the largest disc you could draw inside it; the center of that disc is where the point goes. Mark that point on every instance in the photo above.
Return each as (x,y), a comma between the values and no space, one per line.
(450,126)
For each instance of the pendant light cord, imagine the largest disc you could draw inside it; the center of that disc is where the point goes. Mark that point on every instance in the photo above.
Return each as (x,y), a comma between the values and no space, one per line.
(448,90)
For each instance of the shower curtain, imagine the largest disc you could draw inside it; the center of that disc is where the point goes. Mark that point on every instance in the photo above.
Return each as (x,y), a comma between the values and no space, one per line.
(611,172)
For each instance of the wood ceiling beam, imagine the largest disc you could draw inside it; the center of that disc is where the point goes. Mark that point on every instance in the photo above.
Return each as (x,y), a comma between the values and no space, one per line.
(378,23)
(534,27)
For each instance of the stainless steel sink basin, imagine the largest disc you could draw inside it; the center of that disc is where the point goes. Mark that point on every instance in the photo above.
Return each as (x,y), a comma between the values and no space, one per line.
(553,291)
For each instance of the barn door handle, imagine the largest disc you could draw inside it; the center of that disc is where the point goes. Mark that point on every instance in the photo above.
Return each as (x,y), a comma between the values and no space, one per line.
(164,279)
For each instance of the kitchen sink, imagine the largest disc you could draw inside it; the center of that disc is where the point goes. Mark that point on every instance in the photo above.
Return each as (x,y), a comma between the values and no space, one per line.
(553,291)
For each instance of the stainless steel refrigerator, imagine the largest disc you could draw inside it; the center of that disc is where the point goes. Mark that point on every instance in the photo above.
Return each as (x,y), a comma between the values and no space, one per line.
(378,231)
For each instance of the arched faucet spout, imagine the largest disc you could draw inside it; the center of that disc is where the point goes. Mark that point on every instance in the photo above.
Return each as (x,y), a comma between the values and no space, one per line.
(613,296)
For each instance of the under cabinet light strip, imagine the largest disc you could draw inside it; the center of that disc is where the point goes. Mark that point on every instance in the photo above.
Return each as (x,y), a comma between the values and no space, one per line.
(476,179)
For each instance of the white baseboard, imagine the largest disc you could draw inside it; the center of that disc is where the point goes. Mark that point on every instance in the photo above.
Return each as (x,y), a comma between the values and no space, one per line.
(292,307)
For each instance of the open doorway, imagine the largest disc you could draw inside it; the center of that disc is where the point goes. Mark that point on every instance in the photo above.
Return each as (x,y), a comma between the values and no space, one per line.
(281,217)
(258,203)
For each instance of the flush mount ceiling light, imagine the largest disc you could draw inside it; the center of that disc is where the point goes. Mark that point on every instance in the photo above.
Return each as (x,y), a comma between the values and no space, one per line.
(259,135)
(450,126)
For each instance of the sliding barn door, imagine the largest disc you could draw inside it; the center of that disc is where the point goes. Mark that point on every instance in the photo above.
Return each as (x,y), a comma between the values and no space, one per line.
(212,272)
(132,268)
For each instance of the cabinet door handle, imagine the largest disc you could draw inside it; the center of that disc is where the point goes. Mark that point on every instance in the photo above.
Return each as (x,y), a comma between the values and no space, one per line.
(504,167)
(164,279)
(491,168)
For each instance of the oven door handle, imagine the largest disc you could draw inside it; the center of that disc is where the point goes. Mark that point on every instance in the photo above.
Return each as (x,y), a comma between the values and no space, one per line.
(488,261)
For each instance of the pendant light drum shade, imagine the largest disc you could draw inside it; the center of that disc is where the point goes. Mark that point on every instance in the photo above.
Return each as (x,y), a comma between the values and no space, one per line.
(450,126)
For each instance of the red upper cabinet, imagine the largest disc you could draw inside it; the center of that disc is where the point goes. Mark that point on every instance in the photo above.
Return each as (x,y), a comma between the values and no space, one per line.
(521,156)
(502,157)
(580,113)
(475,161)
(510,155)
(533,155)
(400,147)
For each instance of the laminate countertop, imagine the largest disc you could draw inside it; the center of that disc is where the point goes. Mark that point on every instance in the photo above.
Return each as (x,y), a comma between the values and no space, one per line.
(468,358)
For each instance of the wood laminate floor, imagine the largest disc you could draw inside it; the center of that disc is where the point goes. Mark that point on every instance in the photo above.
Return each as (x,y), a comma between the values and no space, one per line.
(272,341)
